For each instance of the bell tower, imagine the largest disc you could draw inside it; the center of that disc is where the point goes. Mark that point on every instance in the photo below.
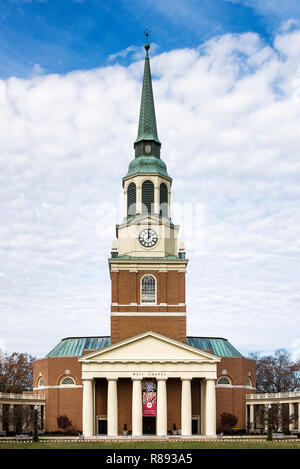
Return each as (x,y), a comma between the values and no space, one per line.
(146,268)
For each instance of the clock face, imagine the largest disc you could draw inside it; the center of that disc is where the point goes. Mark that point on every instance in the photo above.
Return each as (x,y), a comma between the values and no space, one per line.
(148,238)
(148,149)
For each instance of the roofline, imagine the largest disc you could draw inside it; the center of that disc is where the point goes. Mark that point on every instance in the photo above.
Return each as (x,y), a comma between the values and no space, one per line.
(86,337)
(99,336)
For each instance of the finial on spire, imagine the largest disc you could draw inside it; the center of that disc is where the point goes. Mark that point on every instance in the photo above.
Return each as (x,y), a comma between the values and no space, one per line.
(147,45)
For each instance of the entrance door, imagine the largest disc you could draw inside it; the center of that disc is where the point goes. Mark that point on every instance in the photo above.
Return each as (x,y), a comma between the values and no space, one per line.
(102,427)
(149,425)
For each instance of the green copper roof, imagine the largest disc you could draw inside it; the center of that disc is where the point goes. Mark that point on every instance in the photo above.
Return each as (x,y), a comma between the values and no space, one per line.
(74,346)
(147,122)
(219,346)
(147,164)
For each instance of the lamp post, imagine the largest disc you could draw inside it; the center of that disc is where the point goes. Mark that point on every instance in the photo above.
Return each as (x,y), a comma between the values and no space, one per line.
(35,436)
(269,437)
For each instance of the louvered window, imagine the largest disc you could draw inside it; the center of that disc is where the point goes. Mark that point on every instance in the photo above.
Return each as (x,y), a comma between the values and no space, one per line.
(68,381)
(148,289)
(163,200)
(131,199)
(148,196)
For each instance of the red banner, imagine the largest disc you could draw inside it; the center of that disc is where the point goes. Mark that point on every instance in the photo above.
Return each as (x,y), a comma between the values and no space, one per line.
(149,404)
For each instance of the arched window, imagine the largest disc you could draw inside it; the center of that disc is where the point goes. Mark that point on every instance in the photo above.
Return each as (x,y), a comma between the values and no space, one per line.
(248,382)
(131,199)
(148,289)
(41,382)
(68,381)
(148,196)
(163,200)
(224,381)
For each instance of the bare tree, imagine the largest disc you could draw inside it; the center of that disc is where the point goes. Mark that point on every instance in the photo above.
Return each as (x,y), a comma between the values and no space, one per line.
(16,372)
(279,417)
(276,373)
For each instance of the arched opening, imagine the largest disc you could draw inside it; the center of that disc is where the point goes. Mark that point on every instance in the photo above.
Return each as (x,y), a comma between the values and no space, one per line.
(131,199)
(148,289)
(147,197)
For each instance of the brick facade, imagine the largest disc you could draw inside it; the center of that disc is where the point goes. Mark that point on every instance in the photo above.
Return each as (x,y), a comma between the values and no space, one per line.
(68,401)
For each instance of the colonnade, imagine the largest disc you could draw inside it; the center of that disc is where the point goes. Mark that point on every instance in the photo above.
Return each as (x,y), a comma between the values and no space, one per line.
(208,407)
(256,422)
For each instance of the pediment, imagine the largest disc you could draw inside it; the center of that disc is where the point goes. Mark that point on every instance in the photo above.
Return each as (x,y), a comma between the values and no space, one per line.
(149,346)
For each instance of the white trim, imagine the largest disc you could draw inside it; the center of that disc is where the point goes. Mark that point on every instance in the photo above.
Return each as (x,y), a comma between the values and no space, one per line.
(59,386)
(147,304)
(148,314)
(234,386)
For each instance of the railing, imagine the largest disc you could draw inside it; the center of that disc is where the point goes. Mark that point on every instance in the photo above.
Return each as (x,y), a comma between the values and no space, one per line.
(273,395)
(24,397)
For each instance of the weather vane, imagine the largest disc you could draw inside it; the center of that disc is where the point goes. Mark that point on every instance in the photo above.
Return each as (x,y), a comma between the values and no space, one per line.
(147,34)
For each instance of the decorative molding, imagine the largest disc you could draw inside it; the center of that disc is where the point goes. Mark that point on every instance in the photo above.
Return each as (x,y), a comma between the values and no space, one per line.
(147,314)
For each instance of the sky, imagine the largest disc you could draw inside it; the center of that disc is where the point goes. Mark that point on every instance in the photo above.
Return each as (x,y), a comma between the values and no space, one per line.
(226,80)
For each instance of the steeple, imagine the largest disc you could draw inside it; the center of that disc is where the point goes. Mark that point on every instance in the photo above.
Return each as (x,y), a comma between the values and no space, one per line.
(147,122)
(147,145)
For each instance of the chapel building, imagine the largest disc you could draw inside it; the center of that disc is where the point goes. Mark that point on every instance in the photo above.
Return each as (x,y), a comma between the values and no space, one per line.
(148,376)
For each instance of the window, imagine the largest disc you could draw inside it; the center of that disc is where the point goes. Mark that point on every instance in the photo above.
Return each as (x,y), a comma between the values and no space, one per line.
(68,381)
(131,199)
(41,382)
(223,381)
(148,196)
(148,289)
(249,382)
(163,200)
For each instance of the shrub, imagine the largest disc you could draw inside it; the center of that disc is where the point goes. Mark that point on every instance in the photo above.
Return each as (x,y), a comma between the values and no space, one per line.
(228,421)
(64,423)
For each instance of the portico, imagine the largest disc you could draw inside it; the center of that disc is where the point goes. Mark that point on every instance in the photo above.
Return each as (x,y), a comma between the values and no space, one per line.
(120,371)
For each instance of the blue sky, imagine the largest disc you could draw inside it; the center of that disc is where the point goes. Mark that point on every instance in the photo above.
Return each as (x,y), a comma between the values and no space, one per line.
(61,36)
(227,94)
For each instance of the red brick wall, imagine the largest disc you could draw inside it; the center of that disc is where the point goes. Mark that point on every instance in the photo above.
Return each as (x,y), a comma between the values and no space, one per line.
(60,401)
(232,399)
(125,289)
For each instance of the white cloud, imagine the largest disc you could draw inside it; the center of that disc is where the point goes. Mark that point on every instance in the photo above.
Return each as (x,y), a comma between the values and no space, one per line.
(228,117)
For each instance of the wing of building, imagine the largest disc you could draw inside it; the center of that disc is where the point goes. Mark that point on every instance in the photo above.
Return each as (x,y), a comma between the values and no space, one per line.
(148,377)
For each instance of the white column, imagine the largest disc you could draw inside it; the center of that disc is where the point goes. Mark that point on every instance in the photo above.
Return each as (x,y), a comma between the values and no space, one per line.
(161,419)
(156,198)
(251,416)
(137,409)
(186,407)
(291,413)
(266,419)
(138,198)
(88,408)
(210,407)
(202,397)
(112,408)
(1,417)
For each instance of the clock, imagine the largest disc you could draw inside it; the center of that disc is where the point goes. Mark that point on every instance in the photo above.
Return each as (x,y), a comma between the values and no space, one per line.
(148,149)
(148,238)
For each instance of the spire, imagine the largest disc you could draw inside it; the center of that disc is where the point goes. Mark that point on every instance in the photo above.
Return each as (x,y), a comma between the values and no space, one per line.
(147,121)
